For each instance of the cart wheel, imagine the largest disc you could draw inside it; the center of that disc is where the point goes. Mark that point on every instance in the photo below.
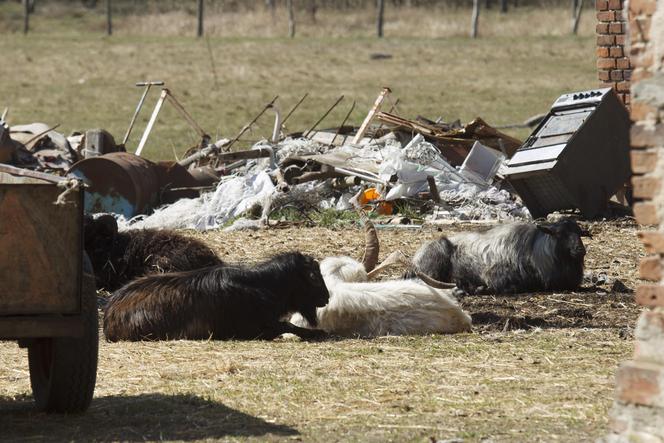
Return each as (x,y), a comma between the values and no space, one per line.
(63,370)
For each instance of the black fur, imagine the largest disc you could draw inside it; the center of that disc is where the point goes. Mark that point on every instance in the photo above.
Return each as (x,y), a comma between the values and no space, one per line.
(518,257)
(119,257)
(220,302)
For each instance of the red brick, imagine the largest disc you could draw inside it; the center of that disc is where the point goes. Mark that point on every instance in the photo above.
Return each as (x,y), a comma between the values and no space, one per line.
(615,4)
(627,99)
(649,336)
(602,28)
(653,241)
(640,383)
(646,213)
(602,5)
(616,51)
(621,39)
(650,268)
(602,51)
(616,75)
(606,63)
(639,74)
(604,76)
(645,187)
(642,111)
(642,136)
(623,86)
(616,28)
(606,16)
(643,161)
(638,7)
(650,295)
(623,63)
(606,40)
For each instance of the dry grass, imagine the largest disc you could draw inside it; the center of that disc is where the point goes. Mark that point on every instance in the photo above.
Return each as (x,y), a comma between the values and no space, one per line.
(547,384)
(540,384)
(516,386)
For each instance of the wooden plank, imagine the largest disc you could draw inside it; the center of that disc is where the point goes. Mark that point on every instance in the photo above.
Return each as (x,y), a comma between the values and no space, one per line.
(40,250)
(40,327)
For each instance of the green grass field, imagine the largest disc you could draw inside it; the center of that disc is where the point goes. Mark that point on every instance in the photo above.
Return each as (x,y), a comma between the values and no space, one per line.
(538,385)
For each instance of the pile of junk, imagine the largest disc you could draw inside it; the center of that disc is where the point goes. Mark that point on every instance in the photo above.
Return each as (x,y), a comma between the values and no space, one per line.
(576,158)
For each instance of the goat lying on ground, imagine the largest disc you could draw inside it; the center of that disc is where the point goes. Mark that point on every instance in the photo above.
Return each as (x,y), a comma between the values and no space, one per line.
(119,257)
(220,302)
(358,307)
(511,258)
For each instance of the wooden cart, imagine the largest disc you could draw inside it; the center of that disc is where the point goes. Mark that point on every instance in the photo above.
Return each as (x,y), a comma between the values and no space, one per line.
(47,289)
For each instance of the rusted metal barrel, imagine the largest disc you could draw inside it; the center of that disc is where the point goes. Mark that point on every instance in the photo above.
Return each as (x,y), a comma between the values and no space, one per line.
(119,182)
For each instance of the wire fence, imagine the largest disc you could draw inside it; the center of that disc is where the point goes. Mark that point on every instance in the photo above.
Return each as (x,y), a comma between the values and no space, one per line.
(200,13)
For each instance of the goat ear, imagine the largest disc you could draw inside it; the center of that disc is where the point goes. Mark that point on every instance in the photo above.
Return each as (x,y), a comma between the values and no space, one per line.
(546,229)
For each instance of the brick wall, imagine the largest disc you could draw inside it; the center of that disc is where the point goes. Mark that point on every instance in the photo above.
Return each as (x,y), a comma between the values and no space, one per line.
(613,62)
(638,412)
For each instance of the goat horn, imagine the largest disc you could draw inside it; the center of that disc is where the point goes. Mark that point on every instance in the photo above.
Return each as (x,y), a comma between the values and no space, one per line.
(372,246)
(398,257)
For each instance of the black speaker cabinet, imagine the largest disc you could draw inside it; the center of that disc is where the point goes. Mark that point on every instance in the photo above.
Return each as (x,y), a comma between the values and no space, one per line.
(577,157)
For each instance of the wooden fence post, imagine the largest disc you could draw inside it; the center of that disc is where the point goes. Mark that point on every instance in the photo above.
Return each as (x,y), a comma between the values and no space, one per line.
(109,22)
(380,4)
(475,18)
(291,18)
(577,17)
(199,32)
(26,16)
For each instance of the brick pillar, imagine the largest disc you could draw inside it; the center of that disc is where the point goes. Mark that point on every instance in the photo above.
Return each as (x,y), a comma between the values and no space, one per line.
(613,63)
(638,412)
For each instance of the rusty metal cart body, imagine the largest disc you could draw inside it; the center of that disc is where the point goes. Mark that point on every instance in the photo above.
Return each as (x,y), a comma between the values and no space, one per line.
(47,296)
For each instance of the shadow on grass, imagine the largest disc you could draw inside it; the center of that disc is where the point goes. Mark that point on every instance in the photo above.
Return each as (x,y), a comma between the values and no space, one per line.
(134,418)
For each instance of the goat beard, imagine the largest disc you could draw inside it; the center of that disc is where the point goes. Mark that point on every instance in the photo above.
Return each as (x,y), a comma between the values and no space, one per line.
(310,316)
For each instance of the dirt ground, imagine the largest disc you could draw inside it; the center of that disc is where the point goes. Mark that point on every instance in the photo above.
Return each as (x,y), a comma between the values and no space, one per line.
(613,255)
(537,367)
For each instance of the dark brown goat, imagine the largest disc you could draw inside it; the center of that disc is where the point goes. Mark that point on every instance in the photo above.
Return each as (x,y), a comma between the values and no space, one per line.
(119,257)
(220,302)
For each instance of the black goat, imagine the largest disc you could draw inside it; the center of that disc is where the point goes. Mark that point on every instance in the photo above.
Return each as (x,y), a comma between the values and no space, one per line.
(119,257)
(220,302)
(511,258)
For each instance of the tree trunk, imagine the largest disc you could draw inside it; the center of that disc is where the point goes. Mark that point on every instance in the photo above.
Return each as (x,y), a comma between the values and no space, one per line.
(503,6)
(577,17)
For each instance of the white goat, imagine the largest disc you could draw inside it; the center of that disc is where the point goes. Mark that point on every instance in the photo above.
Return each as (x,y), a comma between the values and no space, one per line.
(361,308)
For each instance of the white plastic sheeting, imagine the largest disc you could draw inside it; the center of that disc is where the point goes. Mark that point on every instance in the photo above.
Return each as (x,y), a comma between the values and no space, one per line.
(231,198)
(463,199)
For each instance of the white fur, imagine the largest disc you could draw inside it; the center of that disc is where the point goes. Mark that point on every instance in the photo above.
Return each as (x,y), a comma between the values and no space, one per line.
(370,309)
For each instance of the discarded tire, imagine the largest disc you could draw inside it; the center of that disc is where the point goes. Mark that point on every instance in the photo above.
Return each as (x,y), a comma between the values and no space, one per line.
(63,370)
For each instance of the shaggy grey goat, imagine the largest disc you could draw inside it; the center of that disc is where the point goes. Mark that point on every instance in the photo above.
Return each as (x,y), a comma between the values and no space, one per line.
(511,258)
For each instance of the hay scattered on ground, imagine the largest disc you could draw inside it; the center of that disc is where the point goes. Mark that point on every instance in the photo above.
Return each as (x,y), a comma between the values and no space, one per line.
(534,380)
